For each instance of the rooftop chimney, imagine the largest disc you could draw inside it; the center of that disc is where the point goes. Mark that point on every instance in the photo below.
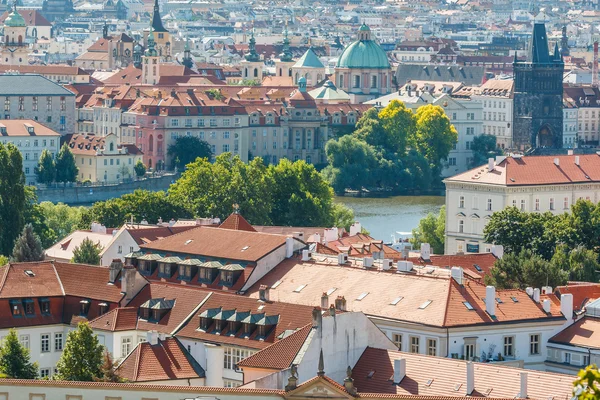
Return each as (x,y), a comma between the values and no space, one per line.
(324,301)
(490,164)
(570,152)
(523,391)
(317,318)
(306,255)
(367,262)
(152,337)
(113,270)
(340,303)
(289,247)
(342,258)
(399,370)
(263,292)
(566,305)
(457,274)
(490,300)
(128,282)
(529,291)
(536,295)
(577,160)
(425,251)
(355,228)
(498,251)
(546,305)
(470,377)
(556,162)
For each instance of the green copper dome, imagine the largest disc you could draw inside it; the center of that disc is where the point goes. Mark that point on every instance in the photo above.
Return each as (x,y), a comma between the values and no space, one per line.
(363,53)
(14,19)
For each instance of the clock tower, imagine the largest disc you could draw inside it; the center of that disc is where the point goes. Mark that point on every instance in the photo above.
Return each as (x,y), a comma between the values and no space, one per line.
(16,49)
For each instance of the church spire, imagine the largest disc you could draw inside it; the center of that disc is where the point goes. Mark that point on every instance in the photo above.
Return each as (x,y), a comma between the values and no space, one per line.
(252,55)
(564,43)
(157,25)
(187,55)
(286,54)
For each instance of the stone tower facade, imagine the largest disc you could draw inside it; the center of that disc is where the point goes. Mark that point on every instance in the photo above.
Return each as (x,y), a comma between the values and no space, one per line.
(538,96)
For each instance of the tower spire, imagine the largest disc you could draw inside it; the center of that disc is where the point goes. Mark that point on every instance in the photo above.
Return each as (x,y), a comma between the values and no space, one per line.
(252,55)
(286,54)
(321,371)
(157,25)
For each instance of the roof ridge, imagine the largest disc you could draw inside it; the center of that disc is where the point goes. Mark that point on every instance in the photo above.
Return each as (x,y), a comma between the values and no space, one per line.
(138,355)
(4,276)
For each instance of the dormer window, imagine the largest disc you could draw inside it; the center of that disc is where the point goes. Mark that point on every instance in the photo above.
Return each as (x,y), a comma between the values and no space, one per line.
(166,266)
(145,313)
(28,307)
(45,306)
(84,307)
(208,271)
(230,274)
(204,323)
(103,308)
(15,308)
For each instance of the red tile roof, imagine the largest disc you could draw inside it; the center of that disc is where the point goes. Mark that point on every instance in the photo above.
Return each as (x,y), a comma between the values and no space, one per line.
(290,317)
(445,375)
(583,333)
(19,127)
(582,293)
(236,222)
(219,243)
(468,262)
(146,234)
(119,319)
(42,282)
(279,355)
(95,285)
(90,144)
(166,360)
(536,170)
(31,17)
(361,245)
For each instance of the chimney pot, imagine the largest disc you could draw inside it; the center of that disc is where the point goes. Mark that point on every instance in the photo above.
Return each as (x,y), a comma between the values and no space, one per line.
(490,164)
(263,292)
(576,160)
(317,318)
(523,391)
(546,305)
(324,301)
(536,295)
(556,162)
(152,337)
(470,377)
(490,300)
(457,274)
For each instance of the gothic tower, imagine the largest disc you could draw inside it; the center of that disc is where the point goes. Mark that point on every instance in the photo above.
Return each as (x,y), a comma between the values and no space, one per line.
(538,96)
(162,37)
(151,71)
(187,60)
(16,48)
(252,66)
(564,43)
(137,56)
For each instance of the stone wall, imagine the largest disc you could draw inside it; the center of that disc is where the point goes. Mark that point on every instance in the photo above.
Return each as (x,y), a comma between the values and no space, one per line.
(91,194)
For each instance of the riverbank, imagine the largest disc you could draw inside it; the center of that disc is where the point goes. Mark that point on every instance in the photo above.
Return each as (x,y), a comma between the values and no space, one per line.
(384,216)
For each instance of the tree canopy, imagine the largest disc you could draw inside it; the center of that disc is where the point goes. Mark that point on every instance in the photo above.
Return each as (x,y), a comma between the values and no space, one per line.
(187,149)
(483,148)
(81,359)
(14,359)
(139,169)
(28,246)
(13,202)
(66,169)
(87,252)
(432,230)
(46,169)
(392,149)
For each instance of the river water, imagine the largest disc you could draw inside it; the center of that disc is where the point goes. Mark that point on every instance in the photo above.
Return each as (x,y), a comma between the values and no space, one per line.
(383,217)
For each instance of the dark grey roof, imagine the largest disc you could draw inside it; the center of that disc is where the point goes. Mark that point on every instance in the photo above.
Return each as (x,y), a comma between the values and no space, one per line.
(30,85)
(469,75)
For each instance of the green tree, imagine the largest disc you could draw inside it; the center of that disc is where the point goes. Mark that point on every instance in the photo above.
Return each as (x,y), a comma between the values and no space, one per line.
(3,260)
(14,359)
(580,227)
(483,147)
(587,384)
(35,216)
(60,218)
(13,202)
(580,263)
(525,269)
(87,252)
(46,169)
(431,230)
(343,216)
(186,149)
(300,195)
(139,168)
(215,94)
(66,170)
(108,369)
(434,136)
(399,124)
(81,359)
(28,246)
(210,189)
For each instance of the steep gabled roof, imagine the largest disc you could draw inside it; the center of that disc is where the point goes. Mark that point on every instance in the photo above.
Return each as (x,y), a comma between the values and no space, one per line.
(309,60)
(118,319)
(236,222)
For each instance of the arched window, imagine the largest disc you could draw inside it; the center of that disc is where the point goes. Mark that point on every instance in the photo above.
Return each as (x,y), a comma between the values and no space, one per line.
(20,40)
(151,143)
(256,72)
(112,146)
(280,71)
(357,81)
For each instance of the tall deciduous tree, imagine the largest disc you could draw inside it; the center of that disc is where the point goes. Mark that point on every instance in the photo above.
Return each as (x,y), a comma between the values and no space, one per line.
(108,369)
(81,359)
(14,359)
(66,169)
(483,147)
(46,169)
(431,230)
(87,252)
(186,149)
(139,168)
(399,124)
(28,246)
(60,218)
(434,136)
(13,201)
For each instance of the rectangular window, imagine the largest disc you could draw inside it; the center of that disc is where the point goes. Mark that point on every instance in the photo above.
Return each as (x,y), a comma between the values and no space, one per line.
(522,205)
(489,204)
(414,344)
(534,344)
(45,342)
(21,103)
(397,339)
(431,347)
(125,346)
(509,346)
(48,104)
(233,355)
(7,104)
(566,203)
(567,358)
(552,203)
(24,340)
(58,341)
(537,204)
(34,103)
(469,351)
(63,104)
(44,372)
(461,202)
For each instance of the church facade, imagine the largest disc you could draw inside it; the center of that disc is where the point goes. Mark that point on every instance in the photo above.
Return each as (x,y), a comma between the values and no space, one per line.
(538,96)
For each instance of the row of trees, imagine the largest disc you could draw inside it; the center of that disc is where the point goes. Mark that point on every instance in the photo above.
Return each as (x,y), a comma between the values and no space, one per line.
(62,169)
(289,193)
(545,249)
(83,358)
(392,149)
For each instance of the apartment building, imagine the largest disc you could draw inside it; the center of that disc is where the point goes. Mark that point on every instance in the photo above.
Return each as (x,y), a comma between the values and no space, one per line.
(38,98)
(31,138)
(586,100)
(496,97)
(530,183)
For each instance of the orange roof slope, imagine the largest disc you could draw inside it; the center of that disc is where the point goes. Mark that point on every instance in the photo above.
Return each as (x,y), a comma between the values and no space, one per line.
(445,374)
(36,279)
(166,360)
(582,293)
(583,333)
(86,280)
(119,319)
(236,222)
(219,243)
(362,245)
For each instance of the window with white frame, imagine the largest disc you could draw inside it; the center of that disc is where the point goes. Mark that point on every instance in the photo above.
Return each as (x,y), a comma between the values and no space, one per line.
(44,372)
(58,341)
(537,204)
(551,203)
(489,204)
(461,226)
(461,202)
(233,355)
(45,342)
(397,339)
(431,347)
(414,344)
(522,205)
(228,383)
(566,203)
(24,340)
(126,345)
(534,344)
(509,346)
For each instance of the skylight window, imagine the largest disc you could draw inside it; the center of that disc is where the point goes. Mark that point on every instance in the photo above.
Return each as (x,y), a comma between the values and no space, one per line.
(429,382)
(276,284)
(330,291)
(499,300)
(396,300)
(362,296)
(424,305)
(299,288)
(370,374)
(468,305)
(514,299)
(478,268)
(29,273)
(457,387)
(188,242)
(245,248)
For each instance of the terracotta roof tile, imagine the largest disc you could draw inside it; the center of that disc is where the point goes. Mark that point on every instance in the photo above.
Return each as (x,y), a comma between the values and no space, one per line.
(447,374)
(37,279)
(583,333)
(166,360)
(118,319)
(582,293)
(361,245)
(95,285)
(475,265)
(146,234)
(236,222)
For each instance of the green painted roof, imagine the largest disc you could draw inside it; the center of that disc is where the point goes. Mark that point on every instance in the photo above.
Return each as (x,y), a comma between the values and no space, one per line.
(364,27)
(14,19)
(329,92)
(309,60)
(363,54)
